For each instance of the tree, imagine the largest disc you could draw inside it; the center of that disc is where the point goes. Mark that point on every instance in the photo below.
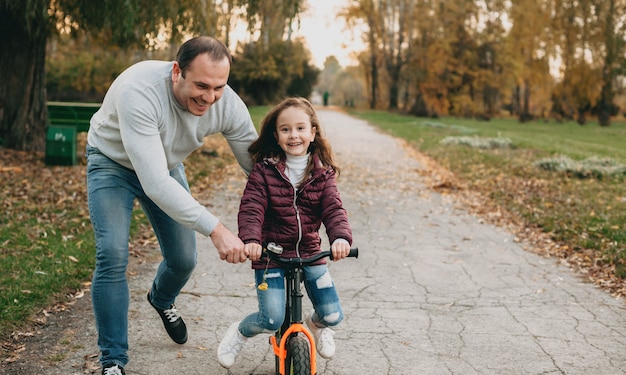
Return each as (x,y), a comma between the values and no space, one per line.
(273,20)
(613,13)
(265,74)
(395,26)
(366,10)
(460,58)
(25,27)
(389,37)
(303,81)
(273,65)
(426,94)
(566,29)
(528,47)
(490,76)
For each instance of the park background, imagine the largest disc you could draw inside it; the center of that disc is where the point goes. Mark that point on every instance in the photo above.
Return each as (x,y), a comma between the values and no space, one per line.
(517,107)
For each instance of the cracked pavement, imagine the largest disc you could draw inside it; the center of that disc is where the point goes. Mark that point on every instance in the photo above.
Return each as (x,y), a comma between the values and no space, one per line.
(435,290)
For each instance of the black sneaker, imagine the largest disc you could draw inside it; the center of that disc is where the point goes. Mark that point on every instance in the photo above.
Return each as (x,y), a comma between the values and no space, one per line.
(113,369)
(173,322)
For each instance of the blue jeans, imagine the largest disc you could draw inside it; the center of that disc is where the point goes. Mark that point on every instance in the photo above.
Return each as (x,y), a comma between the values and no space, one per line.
(112,190)
(320,289)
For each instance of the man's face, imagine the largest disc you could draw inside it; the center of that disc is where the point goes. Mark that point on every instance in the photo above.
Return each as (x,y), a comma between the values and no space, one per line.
(202,85)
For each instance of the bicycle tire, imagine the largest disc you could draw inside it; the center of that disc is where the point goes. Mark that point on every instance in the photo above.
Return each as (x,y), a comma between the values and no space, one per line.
(298,361)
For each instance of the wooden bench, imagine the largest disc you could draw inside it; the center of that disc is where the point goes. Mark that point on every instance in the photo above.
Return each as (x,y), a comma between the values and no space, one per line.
(65,121)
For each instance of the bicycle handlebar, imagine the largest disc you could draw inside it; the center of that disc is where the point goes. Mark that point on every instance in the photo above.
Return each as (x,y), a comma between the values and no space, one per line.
(354,253)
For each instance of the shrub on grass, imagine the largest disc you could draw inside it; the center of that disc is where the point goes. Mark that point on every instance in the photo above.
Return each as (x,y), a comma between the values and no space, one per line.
(439,125)
(478,142)
(593,166)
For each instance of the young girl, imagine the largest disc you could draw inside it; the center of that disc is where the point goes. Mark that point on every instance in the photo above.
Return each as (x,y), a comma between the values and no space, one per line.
(291,191)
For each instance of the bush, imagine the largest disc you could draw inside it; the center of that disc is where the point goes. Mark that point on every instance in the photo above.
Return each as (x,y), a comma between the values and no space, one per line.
(590,167)
(478,142)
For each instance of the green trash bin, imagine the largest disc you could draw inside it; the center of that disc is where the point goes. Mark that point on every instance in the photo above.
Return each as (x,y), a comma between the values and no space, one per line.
(61,145)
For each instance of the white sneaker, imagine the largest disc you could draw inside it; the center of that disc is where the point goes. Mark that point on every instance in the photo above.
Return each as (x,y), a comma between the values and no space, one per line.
(230,346)
(113,370)
(324,339)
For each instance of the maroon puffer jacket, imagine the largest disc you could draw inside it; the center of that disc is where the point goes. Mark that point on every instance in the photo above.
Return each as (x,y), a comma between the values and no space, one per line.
(270,210)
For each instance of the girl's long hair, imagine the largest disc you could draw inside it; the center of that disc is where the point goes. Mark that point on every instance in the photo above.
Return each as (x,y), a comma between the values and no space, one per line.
(266,146)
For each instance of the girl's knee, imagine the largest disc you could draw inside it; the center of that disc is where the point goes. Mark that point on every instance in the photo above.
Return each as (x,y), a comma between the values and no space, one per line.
(332,319)
(272,325)
(272,322)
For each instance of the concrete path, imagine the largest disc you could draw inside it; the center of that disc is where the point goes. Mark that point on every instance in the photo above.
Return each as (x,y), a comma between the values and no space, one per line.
(434,291)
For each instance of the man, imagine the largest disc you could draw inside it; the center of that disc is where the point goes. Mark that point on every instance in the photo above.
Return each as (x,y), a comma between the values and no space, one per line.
(152,117)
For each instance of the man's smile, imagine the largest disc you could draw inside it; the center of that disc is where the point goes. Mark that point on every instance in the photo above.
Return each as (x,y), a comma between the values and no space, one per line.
(200,104)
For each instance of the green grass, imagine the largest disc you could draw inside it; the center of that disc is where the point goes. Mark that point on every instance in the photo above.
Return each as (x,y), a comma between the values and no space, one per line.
(40,262)
(566,138)
(585,216)
(45,256)
(545,138)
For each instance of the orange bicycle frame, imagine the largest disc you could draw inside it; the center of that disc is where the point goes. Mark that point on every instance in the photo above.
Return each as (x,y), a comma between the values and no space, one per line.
(281,352)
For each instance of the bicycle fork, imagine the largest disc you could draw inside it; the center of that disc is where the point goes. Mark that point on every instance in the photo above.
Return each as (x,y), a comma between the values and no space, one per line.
(293,323)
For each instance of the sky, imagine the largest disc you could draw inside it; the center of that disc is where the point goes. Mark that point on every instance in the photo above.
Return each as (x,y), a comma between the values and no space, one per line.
(325,33)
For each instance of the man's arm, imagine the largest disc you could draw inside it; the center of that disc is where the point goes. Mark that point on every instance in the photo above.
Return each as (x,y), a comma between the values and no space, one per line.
(240,132)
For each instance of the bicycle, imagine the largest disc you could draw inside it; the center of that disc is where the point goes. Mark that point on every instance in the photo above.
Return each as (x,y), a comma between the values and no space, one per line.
(293,344)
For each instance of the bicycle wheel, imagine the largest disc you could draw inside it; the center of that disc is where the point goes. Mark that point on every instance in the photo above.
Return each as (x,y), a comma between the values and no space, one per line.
(298,361)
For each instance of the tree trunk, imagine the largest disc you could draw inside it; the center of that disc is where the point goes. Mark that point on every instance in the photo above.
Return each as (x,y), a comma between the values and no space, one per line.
(516,105)
(581,119)
(374,83)
(525,115)
(406,97)
(394,88)
(419,107)
(371,39)
(606,97)
(526,102)
(606,101)
(23,111)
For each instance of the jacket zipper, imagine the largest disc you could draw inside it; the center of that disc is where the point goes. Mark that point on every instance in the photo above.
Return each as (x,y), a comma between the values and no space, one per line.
(295,206)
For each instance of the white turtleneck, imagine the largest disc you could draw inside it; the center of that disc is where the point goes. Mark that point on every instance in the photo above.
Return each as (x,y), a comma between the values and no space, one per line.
(296,165)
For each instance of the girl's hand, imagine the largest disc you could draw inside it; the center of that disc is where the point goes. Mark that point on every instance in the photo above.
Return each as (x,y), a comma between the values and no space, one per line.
(254,251)
(340,250)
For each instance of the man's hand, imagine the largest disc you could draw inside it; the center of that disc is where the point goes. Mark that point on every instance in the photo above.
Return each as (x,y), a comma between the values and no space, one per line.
(229,246)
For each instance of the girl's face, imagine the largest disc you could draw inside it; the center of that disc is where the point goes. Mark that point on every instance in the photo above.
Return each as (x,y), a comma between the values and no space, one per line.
(294,132)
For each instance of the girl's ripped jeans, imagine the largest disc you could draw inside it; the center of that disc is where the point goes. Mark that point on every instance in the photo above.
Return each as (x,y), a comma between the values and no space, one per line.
(320,289)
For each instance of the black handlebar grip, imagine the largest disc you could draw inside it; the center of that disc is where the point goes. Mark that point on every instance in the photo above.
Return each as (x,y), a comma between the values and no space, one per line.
(354,253)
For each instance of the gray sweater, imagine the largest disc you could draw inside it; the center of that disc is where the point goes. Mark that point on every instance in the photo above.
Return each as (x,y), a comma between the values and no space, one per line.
(142,127)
